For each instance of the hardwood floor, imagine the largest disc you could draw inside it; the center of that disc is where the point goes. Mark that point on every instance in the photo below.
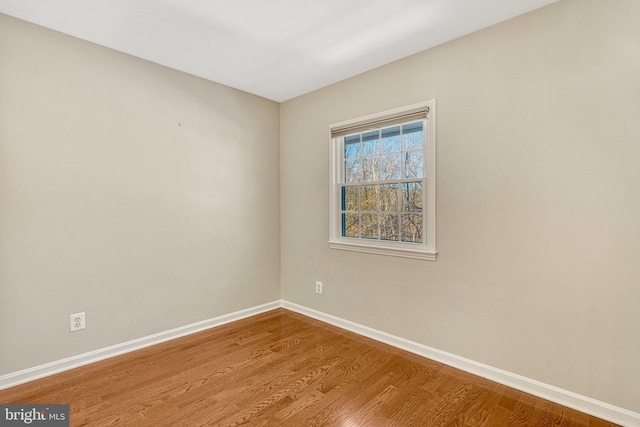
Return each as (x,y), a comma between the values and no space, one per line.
(283,369)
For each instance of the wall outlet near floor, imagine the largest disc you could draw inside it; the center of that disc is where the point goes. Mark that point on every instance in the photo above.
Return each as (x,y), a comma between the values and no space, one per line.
(318,287)
(76,322)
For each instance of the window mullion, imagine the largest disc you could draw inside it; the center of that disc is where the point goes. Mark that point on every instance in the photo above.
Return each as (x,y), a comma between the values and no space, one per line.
(382,182)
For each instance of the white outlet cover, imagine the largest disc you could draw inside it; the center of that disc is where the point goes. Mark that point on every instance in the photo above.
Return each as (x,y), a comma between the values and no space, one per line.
(76,322)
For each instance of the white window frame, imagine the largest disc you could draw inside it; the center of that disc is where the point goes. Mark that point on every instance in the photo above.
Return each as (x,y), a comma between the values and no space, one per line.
(425,250)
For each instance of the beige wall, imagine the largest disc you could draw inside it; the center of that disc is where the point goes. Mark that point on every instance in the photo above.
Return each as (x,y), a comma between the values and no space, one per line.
(145,197)
(538,200)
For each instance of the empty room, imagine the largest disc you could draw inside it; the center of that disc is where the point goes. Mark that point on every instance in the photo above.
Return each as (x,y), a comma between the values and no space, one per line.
(329,213)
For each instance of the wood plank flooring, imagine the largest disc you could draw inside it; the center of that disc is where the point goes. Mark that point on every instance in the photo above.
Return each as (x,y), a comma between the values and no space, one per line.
(283,369)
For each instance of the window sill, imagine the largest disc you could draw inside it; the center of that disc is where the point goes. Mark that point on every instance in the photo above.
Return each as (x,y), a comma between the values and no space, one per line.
(384,250)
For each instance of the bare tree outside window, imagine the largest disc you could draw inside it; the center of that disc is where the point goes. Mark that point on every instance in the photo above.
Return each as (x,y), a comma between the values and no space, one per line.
(382,192)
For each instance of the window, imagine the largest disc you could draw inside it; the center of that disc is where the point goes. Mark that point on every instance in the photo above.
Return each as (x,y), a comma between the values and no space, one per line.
(383,183)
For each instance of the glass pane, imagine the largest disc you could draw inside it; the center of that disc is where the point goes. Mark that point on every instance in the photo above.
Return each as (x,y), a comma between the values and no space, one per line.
(391,139)
(369,198)
(389,197)
(371,168)
(369,223)
(389,227)
(390,166)
(350,225)
(352,171)
(351,146)
(349,198)
(374,204)
(411,196)
(413,164)
(411,228)
(370,143)
(412,136)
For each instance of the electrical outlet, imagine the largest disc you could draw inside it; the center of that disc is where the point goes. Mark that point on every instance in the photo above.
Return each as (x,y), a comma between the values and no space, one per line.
(318,287)
(76,322)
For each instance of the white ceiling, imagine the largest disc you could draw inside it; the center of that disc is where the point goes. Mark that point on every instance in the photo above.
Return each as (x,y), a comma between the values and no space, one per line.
(277,49)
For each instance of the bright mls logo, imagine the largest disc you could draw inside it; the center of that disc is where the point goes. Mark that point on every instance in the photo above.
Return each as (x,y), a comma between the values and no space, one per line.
(34,415)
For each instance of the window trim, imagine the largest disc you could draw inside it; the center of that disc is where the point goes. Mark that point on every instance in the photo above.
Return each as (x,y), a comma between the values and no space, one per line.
(425,250)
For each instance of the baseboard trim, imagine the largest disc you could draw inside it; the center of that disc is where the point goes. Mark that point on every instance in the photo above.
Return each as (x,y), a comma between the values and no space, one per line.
(563,397)
(567,398)
(47,369)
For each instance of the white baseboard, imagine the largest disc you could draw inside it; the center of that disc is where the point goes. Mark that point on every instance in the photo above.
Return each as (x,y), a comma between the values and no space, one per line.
(41,371)
(554,394)
(563,397)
